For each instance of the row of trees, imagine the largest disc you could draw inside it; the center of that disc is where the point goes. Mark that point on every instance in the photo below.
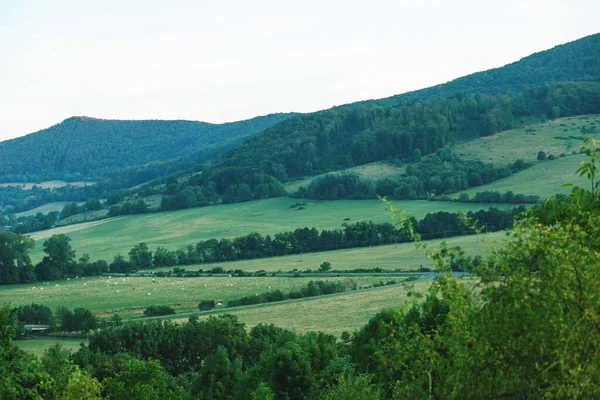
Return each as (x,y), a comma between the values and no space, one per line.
(61,262)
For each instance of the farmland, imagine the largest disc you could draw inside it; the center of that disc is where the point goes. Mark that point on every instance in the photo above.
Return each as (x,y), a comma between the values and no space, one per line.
(46,184)
(38,345)
(130,295)
(331,314)
(106,238)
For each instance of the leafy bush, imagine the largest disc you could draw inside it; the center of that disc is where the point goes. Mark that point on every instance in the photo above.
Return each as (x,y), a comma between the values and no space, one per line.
(154,311)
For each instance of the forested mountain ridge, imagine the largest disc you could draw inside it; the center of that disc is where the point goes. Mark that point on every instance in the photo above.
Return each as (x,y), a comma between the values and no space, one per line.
(82,147)
(578,60)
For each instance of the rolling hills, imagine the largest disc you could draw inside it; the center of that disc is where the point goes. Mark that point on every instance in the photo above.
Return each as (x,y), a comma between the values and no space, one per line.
(90,148)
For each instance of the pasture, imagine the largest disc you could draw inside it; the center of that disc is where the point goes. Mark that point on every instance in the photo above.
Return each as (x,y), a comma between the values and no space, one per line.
(556,137)
(131,295)
(544,179)
(173,229)
(403,256)
(374,170)
(47,184)
(38,345)
(330,314)
(45,209)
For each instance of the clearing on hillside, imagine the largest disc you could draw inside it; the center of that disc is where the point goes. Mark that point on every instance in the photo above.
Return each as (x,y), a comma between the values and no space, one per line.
(555,137)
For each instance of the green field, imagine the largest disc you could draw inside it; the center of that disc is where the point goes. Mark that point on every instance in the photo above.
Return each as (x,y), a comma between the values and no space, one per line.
(104,295)
(45,209)
(38,345)
(553,137)
(174,229)
(374,170)
(46,184)
(403,256)
(544,179)
(330,314)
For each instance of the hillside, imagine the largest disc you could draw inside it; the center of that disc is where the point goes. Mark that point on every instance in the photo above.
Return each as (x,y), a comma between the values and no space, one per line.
(578,60)
(82,147)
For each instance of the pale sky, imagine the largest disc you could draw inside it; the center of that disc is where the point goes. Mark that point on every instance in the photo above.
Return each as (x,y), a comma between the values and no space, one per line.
(220,61)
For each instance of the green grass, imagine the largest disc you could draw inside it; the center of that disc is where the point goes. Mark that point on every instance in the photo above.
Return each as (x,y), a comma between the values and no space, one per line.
(45,209)
(38,345)
(544,179)
(403,256)
(174,229)
(524,143)
(131,295)
(330,314)
(47,184)
(374,170)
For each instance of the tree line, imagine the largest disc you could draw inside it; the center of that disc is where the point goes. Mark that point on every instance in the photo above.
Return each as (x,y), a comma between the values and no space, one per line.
(60,260)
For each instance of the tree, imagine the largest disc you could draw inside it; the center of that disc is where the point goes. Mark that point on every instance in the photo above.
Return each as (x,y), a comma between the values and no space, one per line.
(325,266)
(140,257)
(60,259)
(144,380)
(120,265)
(15,265)
(541,156)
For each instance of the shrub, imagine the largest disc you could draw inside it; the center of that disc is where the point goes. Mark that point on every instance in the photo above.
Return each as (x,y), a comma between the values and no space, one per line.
(206,305)
(154,311)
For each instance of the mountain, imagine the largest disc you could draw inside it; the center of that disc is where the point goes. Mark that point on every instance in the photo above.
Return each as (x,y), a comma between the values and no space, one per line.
(89,148)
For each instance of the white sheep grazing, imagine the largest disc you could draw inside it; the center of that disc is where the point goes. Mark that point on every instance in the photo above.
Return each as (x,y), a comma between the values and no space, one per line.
(219,304)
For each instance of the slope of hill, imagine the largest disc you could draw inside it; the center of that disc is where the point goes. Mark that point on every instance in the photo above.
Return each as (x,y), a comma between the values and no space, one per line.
(578,60)
(82,147)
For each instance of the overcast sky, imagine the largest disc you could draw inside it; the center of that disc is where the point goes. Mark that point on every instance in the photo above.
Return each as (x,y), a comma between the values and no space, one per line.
(220,61)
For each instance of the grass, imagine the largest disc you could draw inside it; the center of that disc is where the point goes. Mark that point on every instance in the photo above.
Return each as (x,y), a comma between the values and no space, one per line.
(544,179)
(173,229)
(374,170)
(330,314)
(131,295)
(403,256)
(45,209)
(552,137)
(38,345)
(46,184)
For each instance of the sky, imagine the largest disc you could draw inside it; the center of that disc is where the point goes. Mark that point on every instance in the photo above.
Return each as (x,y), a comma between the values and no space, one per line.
(222,61)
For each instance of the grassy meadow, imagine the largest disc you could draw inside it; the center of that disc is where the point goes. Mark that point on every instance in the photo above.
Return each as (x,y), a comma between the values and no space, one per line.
(173,229)
(330,314)
(403,256)
(131,295)
(544,179)
(556,137)
(374,170)
(45,209)
(38,345)
(46,184)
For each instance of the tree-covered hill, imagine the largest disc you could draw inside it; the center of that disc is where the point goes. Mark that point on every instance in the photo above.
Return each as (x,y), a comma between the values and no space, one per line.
(82,147)
(574,61)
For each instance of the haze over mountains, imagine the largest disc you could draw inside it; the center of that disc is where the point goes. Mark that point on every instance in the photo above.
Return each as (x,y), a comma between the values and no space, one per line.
(88,148)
